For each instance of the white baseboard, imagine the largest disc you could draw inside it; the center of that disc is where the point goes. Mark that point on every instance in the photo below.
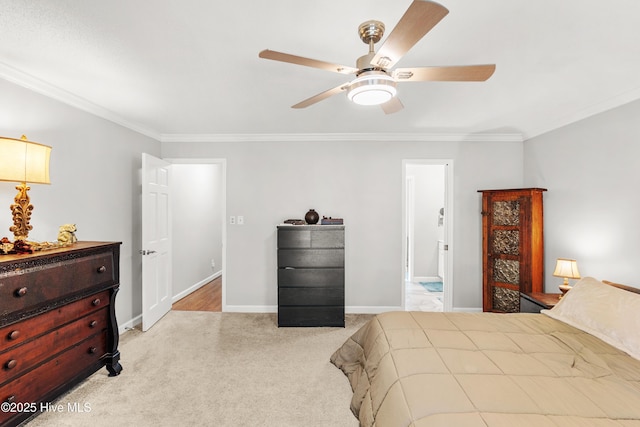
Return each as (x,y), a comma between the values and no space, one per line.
(195,287)
(124,327)
(348,309)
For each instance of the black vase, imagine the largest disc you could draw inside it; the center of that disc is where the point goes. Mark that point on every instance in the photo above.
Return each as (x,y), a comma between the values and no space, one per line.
(311,217)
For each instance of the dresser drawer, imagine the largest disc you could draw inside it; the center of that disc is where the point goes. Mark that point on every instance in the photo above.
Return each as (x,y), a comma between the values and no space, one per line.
(75,363)
(327,238)
(19,359)
(310,258)
(17,333)
(311,316)
(316,277)
(292,238)
(310,296)
(310,238)
(26,288)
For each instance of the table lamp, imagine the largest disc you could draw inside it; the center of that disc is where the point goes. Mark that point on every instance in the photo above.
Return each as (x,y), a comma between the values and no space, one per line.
(24,162)
(567,268)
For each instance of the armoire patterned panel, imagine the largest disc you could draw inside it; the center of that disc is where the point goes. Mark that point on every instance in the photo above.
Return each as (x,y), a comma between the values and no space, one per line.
(506,300)
(506,271)
(506,242)
(506,212)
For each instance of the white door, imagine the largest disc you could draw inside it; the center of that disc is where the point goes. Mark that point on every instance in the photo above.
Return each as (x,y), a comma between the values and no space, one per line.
(156,240)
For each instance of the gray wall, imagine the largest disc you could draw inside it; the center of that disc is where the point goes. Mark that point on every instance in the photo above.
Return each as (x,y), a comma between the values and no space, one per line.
(360,181)
(592,170)
(95,169)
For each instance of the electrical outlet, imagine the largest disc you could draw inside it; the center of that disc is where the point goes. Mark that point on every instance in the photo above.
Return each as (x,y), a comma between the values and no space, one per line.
(240,220)
(232,220)
(213,263)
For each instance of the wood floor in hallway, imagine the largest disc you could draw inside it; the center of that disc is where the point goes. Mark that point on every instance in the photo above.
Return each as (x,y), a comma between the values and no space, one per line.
(207,298)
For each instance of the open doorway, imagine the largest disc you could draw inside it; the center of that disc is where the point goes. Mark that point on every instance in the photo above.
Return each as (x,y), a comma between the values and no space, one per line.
(199,232)
(426,234)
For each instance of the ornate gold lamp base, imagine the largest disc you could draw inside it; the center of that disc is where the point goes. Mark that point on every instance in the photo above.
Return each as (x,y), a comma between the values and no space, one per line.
(564,288)
(21,211)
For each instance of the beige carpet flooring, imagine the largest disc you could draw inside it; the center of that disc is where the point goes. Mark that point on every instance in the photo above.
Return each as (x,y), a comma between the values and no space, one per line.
(218,369)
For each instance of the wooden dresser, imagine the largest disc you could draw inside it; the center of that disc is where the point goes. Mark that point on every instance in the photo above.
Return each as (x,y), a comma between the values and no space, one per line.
(311,275)
(57,323)
(512,246)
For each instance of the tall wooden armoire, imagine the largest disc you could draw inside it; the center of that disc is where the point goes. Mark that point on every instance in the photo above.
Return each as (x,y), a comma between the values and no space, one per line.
(512,247)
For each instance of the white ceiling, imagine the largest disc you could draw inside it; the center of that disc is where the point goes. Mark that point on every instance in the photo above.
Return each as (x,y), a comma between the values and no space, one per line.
(191,67)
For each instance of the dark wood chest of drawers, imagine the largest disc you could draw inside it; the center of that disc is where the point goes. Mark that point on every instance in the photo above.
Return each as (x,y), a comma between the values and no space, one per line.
(311,275)
(57,323)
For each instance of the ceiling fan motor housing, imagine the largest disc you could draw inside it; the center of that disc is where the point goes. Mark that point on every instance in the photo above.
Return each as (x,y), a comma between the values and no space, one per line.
(371,31)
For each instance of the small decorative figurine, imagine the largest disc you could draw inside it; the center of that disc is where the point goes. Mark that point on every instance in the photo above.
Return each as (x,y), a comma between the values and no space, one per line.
(67,234)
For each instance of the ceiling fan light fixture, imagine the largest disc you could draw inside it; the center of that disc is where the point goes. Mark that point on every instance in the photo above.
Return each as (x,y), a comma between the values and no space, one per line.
(372,88)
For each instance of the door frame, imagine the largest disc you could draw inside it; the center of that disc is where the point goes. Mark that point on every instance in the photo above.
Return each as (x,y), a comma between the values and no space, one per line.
(223,164)
(409,225)
(448,225)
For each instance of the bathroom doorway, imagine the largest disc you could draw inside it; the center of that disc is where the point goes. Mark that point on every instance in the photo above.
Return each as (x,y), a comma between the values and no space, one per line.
(426,233)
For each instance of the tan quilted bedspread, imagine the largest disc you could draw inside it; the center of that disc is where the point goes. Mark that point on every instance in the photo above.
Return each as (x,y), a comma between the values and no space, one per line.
(486,369)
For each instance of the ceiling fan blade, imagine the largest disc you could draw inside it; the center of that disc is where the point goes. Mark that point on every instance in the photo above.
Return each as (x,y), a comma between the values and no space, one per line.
(417,21)
(321,96)
(299,60)
(462,73)
(392,106)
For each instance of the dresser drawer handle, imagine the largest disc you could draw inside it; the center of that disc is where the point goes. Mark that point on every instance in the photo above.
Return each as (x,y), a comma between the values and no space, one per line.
(96,302)
(10,399)
(92,350)
(102,269)
(21,292)
(11,364)
(93,324)
(13,335)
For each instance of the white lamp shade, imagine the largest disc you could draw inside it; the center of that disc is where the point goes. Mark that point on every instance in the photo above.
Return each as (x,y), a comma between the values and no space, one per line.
(567,268)
(24,161)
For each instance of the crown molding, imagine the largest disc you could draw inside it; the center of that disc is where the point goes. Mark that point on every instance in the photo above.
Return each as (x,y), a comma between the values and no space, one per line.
(30,82)
(344,137)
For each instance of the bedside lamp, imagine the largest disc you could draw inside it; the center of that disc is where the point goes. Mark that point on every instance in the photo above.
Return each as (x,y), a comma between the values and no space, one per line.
(567,268)
(23,161)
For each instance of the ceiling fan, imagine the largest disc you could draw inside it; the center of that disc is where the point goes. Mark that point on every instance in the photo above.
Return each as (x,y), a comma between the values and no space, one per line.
(375,82)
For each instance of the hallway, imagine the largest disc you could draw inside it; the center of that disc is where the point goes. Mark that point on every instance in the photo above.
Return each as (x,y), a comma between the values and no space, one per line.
(207,298)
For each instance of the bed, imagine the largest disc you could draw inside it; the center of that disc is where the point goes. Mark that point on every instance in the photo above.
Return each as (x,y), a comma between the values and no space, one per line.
(577,364)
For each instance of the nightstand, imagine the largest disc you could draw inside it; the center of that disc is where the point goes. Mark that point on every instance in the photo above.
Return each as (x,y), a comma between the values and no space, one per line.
(533,302)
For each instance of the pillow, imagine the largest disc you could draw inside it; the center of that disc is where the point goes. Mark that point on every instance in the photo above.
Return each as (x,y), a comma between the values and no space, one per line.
(604,311)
